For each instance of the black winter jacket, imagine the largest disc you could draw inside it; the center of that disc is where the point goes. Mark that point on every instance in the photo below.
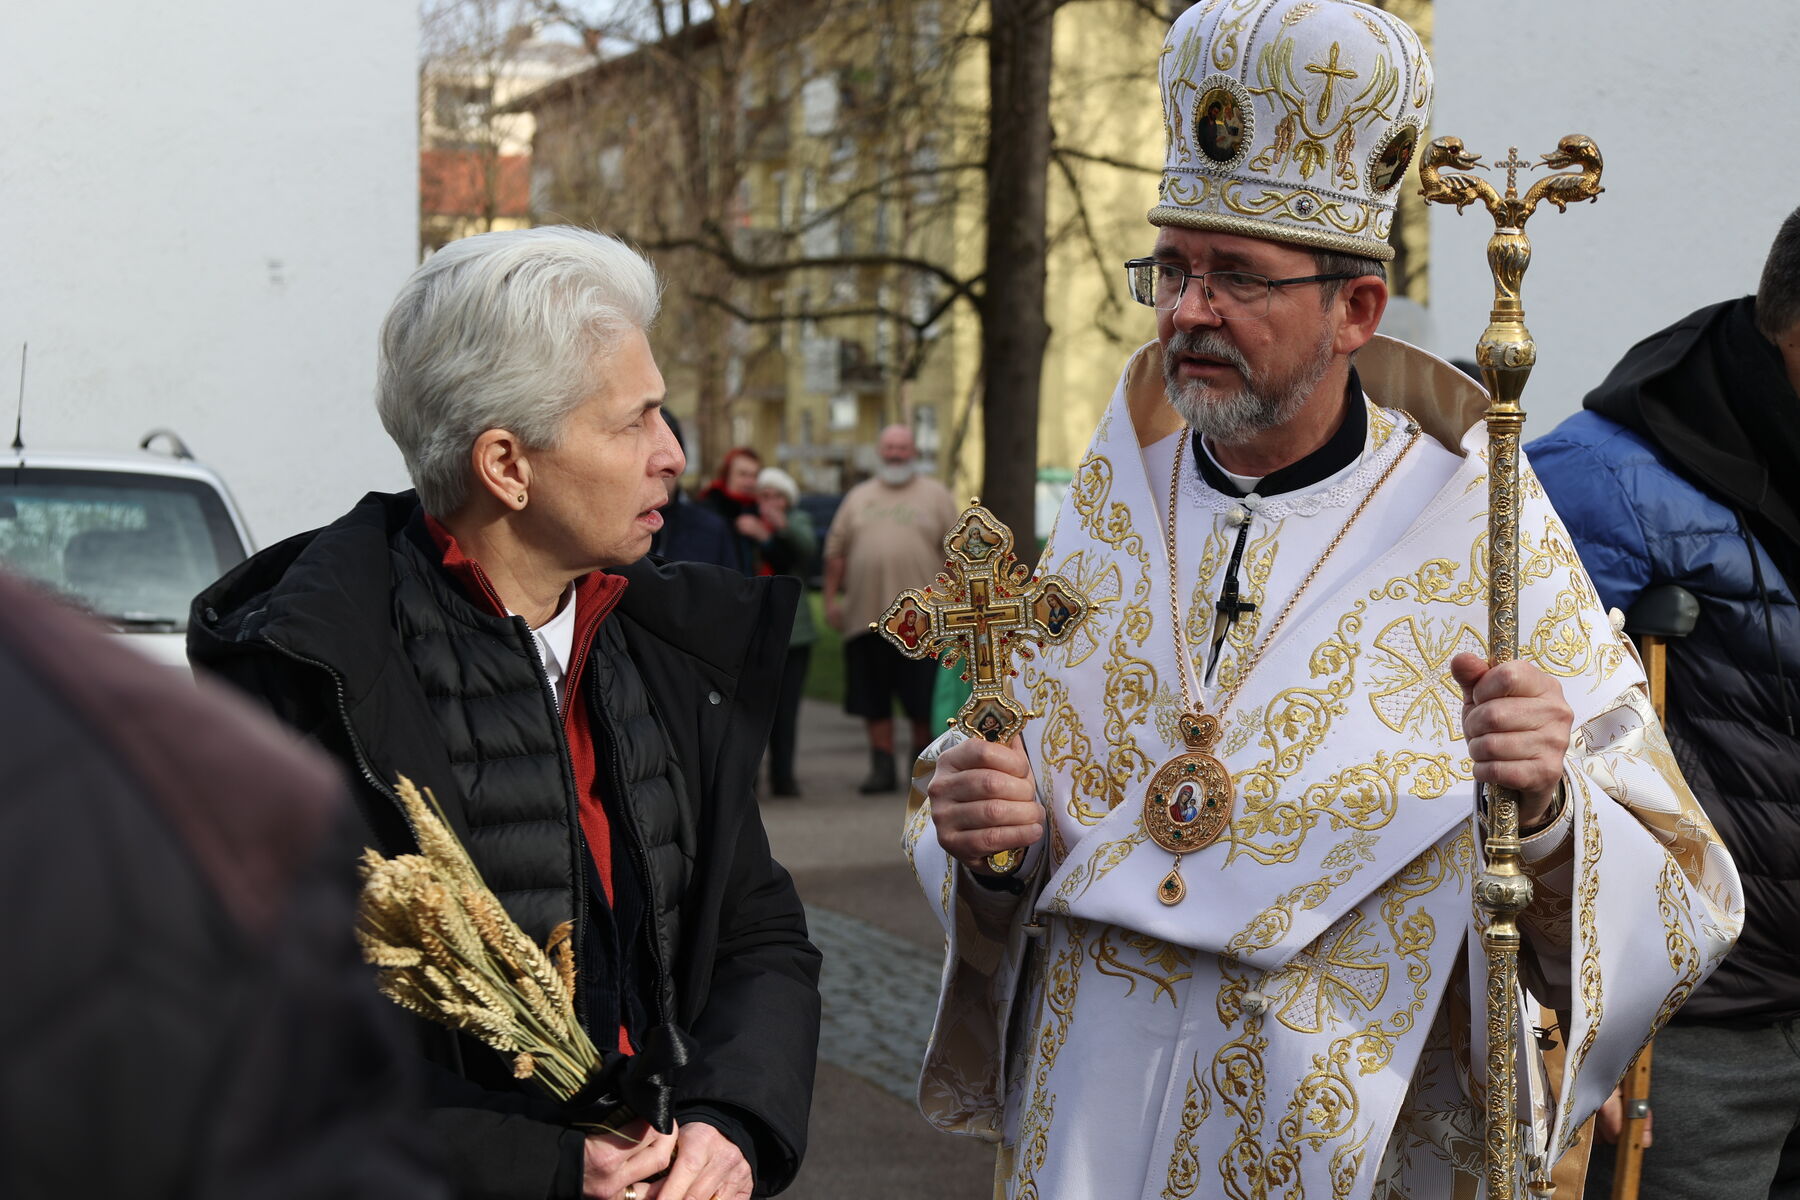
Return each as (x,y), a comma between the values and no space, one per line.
(356,635)
(1642,513)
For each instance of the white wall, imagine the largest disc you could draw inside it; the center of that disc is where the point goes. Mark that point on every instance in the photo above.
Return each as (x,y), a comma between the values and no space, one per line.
(205,209)
(1692,105)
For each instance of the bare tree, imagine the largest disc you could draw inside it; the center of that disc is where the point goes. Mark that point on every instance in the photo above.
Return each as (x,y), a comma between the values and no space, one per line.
(1013,327)
(868,235)
(477,55)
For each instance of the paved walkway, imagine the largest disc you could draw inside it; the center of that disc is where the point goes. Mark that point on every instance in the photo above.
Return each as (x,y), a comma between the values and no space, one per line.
(883,950)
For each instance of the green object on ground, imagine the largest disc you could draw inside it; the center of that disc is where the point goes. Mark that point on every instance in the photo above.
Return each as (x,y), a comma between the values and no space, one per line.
(825,670)
(948,694)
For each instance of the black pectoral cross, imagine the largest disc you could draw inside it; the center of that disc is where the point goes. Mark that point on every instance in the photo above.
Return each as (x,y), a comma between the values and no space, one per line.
(1230,605)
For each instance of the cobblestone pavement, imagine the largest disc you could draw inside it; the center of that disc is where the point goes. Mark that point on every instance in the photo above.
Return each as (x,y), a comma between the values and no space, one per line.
(879,993)
(883,949)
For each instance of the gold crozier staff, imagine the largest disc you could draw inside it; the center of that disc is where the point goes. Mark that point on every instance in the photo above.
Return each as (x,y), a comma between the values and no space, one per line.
(1506,355)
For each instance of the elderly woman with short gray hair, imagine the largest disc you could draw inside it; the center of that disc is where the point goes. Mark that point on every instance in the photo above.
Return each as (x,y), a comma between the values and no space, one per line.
(590,721)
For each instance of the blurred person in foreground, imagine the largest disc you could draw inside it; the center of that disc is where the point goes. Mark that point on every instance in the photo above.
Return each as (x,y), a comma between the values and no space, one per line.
(1282,519)
(691,532)
(888,535)
(788,550)
(185,1014)
(590,723)
(1685,469)
(732,497)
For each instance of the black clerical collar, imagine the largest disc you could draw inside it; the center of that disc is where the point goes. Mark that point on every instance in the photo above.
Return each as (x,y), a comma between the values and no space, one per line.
(1340,450)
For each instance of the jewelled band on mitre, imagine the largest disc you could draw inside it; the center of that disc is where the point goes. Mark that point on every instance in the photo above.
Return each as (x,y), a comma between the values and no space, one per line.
(1271,231)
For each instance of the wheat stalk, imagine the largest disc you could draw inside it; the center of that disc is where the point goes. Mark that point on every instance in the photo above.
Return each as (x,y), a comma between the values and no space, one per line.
(444,948)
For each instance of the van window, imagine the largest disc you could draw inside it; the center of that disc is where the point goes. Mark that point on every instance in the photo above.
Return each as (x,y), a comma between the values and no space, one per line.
(133,549)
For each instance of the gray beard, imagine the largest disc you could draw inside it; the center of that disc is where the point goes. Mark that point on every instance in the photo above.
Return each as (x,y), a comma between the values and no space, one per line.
(1262,402)
(897,474)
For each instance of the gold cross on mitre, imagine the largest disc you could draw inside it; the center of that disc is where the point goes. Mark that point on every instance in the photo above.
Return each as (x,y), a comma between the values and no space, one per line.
(984,608)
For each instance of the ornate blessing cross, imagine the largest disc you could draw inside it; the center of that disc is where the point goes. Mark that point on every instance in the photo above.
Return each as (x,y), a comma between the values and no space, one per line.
(984,608)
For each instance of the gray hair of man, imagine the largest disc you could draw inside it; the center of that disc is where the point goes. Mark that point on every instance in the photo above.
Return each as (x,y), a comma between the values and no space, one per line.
(509,331)
(1778,294)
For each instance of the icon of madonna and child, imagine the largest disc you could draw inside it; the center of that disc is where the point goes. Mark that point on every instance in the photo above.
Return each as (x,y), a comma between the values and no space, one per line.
(1184,808)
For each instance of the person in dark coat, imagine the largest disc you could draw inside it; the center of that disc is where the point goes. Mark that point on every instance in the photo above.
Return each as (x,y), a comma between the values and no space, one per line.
(185,1014)
(1684,469)
(788,550)
(692,532)
(590,722)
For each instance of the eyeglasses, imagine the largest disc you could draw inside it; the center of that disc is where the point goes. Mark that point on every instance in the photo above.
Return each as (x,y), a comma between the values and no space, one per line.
(1230,295)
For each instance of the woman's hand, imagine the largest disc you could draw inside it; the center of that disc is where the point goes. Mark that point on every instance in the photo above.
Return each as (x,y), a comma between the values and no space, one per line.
(614,1161)
(752,528)
(774,509)
(708,1166)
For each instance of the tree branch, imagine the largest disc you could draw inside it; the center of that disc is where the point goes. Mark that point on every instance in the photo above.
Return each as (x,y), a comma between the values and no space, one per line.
(1086,225)
(712,242)
(1061,152)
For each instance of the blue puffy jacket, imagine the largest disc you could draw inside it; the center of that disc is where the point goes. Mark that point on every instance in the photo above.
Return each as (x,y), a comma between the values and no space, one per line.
(1636,522)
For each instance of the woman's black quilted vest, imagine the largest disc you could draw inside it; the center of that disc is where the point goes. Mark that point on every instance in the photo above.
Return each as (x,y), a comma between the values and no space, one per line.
(488,696)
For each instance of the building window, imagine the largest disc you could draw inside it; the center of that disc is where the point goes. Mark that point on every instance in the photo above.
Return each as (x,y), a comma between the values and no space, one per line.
(925,430)
(843,413)
(609,167)
(461,108)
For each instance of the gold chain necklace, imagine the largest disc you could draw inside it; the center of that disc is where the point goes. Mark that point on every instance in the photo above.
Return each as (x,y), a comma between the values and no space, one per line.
(1188,803)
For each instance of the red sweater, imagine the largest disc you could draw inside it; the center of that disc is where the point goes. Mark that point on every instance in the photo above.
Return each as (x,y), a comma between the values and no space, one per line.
(596,595)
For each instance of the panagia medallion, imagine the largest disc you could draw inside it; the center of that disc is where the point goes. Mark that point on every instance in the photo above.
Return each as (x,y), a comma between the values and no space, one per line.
(1188,804)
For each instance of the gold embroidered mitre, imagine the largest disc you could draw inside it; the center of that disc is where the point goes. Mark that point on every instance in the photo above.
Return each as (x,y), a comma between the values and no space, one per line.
(1293,120)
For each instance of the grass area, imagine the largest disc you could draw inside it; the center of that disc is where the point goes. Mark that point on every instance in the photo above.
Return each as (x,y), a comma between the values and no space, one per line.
(825,670)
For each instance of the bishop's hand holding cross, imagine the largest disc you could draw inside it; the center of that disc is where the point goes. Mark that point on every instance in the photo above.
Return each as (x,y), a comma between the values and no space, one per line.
(985,607)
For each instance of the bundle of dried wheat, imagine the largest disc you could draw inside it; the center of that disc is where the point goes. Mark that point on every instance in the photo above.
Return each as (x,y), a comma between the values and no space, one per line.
(447,951)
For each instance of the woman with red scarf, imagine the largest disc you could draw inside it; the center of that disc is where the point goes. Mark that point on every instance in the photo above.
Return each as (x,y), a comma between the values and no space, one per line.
(732,494)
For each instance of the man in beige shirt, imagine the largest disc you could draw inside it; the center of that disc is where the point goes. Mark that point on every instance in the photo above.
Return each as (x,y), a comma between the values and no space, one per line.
(887,536)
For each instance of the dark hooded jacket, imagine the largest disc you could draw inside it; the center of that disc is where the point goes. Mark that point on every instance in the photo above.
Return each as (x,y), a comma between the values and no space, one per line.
(359,636)
(1686,470)
(184,1015)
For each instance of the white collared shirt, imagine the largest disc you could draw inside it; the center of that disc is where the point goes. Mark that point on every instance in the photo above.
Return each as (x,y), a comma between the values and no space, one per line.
(556,642)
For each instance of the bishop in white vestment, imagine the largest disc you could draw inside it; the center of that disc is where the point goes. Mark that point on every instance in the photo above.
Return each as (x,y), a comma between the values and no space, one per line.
(1293,1010)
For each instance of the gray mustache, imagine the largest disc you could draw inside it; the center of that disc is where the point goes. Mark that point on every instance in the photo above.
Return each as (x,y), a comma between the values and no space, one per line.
(1209,342)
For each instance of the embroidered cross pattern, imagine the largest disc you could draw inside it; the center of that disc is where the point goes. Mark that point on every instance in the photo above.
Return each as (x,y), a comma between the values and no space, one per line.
(1411,688)
(1337,972)
(1332,73)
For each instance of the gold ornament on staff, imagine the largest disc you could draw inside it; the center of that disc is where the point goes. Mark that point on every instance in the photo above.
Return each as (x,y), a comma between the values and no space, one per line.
(1506,355)
(985,607)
